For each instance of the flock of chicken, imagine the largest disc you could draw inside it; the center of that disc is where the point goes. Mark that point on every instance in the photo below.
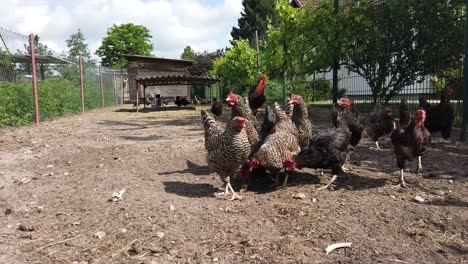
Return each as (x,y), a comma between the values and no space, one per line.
(285,140)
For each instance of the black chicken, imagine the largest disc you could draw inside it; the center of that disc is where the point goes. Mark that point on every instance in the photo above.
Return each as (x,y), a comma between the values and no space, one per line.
(347,116)
(381,123)
(410,142)
(440,117)
(216,107)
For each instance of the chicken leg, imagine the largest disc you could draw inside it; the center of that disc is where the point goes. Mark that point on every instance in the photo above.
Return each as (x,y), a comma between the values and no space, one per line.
(377,147)
(402,180)
(329,184)
(419,169)
(234,195)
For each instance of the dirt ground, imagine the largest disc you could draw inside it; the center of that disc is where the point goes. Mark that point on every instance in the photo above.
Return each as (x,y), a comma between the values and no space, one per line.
(57,178)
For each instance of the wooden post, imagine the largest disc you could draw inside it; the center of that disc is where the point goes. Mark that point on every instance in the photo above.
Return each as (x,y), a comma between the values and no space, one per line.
(81,84)
(258,50)
(34,78)
(137,95)
(122,91)
(102,86)
(335,61)
(465,84)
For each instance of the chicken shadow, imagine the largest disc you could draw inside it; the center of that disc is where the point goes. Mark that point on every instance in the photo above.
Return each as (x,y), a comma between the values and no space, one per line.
(192,168)
(142,138)
(191,190)
(354,182)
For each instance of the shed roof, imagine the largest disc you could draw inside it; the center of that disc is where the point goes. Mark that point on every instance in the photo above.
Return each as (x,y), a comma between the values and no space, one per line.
(183,79)
(38,58)
(151,59)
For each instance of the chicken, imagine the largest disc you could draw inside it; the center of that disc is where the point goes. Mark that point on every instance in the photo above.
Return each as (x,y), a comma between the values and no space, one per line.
(405,117)
(181,101)
(227,148)
(239,108)
(257,94)
(410,142)
(440,117)
(216,107)
(381,123)
(278,148)
(348,117)
(300,117)
(268,122)
(328,150)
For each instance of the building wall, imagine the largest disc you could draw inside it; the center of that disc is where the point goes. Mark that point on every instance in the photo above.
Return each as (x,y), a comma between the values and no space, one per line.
(149,69)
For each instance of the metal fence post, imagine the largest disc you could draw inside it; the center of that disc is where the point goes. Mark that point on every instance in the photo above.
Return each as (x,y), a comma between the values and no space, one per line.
(465,83)
(102,86)
(115,88)
(34,78)
(81,84)
(335,60)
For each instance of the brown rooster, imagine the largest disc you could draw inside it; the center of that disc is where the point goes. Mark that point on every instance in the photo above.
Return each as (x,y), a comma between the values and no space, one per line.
(440,117)
(278,148)
(239,108)
(410,142)
(227,148)
(257,94)
(300,117)
(381,123)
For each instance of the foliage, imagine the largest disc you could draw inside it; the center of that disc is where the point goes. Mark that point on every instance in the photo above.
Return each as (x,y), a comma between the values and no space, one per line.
(124,39)
(188,54)
(203,62)
(401,41)
(254,17)
(238,67)
(322,88)
(76,46)
(6,66)
(57,97)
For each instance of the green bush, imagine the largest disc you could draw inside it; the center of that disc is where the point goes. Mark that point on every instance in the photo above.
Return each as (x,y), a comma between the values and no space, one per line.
(57,97)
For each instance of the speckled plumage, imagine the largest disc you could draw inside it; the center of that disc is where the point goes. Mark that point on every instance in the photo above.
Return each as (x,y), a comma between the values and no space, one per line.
(242,109)
(282,143)
(227,148)
(300,117)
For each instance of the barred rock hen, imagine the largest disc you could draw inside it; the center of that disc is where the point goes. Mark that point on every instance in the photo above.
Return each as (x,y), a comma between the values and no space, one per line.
(216,107)
(300,117)
(410,142)
(239,108)
(227,148)
(278,148)
(328,150)
(348,117)
(257,94)
(381,123)
(405,117)
(440,117)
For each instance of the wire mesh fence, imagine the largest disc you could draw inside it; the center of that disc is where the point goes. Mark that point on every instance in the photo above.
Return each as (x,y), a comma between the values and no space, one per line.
(58,82)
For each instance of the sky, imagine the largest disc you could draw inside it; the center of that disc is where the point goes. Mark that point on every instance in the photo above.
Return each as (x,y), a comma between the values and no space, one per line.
(174,24)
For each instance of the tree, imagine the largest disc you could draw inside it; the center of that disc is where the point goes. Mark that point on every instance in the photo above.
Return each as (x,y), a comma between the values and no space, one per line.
(255,17)
(203,62)
(77,46)
(401,42)
(124,39)
(6,67)
(238,66)
(188,54)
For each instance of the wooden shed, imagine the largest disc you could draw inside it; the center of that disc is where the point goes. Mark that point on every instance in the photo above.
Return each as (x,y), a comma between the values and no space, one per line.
(141,67)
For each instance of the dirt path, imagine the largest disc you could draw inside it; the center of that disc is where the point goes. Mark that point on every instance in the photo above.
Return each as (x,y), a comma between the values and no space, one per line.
(70,168)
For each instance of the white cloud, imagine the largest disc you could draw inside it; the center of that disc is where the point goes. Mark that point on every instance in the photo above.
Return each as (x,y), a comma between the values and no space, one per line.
(173,24)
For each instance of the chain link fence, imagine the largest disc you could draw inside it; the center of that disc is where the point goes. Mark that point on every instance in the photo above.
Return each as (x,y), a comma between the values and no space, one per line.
(58,82)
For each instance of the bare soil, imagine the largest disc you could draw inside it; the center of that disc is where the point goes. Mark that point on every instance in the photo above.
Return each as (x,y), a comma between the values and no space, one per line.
(57,178)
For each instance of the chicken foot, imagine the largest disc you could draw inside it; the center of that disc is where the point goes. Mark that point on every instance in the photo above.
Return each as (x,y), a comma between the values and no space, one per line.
(329,184)
(419,169)
(230,189)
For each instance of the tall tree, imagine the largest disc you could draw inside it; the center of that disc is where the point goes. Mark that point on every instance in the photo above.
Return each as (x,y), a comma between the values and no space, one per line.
(403,41)
(77,46)
(188,54)
(255,17)
(203,62)
(124,39)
